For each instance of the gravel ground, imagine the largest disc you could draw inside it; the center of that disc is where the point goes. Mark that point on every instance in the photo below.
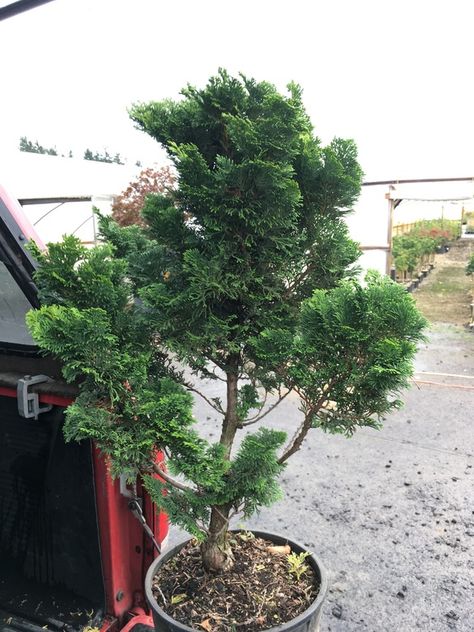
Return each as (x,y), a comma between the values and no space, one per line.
(391,512)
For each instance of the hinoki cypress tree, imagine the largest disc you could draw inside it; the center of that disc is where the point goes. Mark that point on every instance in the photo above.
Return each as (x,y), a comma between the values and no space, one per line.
(241,274)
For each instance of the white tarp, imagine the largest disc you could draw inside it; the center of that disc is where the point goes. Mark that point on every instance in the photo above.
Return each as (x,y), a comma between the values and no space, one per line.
(32,176)
(27,175)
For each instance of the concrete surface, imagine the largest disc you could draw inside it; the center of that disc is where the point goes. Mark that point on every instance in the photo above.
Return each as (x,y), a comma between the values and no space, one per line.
(390,512)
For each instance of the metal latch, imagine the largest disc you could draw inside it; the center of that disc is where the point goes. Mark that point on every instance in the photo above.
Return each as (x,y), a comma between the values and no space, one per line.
(135,506)
(129,491)
(28,402)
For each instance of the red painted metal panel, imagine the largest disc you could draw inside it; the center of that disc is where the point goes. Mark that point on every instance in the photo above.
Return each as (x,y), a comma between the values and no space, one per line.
(121,539)
(126,552)
(125,549)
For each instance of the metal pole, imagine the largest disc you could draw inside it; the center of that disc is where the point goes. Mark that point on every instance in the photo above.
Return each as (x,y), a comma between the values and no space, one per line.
(416,181)
(391,206)
(94,228)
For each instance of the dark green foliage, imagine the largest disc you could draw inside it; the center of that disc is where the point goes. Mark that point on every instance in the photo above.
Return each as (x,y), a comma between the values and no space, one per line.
(84,277)
(128,403)
(255,470)
(355,346)
(352,348)
(82,338)
(243,272)
(248,399)
(246,484)
(255,224)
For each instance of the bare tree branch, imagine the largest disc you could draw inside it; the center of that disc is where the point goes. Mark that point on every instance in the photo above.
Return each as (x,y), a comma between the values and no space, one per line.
(209,374)
(300,279)
(305,427)
(171,481)
(209,401)
(237,510)
(217,377)
(254,420)
(260,408)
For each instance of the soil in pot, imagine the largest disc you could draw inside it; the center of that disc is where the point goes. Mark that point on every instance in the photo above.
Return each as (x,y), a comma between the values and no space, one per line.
(259,592)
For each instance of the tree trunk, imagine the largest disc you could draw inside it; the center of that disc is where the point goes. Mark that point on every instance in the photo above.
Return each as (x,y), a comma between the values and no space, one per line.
(216,552)
(231,421)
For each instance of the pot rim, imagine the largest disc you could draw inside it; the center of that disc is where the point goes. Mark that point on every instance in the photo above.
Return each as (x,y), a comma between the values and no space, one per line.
(288,626)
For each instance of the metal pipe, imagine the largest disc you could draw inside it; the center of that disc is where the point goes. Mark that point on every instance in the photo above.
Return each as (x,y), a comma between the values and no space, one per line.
(15,8)
(417,181)
(54,200)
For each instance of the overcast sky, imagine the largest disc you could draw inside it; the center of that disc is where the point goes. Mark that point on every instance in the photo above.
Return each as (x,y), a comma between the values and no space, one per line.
(396,76)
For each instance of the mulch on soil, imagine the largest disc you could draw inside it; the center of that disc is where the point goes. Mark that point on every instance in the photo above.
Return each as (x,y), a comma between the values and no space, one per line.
(258,593)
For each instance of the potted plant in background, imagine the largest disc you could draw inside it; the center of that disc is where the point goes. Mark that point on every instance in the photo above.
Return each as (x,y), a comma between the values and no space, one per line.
(242,275)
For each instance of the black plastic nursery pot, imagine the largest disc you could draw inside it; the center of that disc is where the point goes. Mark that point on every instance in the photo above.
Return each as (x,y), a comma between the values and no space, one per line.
(307,621)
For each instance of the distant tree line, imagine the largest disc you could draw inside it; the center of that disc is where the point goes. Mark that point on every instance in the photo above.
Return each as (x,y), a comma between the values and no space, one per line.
(103,157)
(36,148)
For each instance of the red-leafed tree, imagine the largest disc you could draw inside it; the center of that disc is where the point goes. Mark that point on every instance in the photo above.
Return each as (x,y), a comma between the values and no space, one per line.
(127,208)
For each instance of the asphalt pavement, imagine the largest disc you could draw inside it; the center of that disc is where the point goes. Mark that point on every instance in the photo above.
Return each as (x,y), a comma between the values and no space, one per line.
(390,512)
